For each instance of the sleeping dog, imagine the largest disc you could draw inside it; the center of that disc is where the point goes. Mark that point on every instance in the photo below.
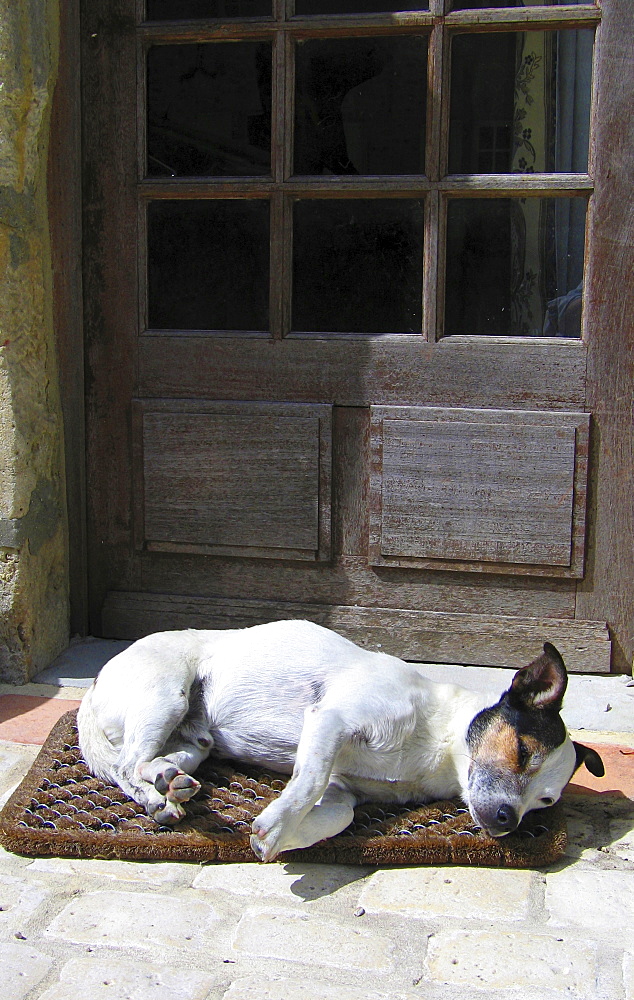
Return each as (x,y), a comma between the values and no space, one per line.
(350,725)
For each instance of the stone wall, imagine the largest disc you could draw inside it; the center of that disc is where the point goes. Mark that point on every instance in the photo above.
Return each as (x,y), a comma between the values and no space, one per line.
(33,536)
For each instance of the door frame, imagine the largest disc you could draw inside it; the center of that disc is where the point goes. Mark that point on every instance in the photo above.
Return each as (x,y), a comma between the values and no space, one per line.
(607,591)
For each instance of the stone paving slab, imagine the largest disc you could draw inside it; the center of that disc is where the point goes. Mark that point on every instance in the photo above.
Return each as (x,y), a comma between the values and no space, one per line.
(23,968)
(20,898)
(461,893)
(137,938)
(293,936)
(150,921)
(502,960)
(154,873)
(628,975)
(290,881)
(109,978)
(15,760)
(598,901)
(255,988)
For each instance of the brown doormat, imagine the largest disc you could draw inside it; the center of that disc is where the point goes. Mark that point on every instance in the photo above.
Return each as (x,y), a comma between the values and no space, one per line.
(60,809)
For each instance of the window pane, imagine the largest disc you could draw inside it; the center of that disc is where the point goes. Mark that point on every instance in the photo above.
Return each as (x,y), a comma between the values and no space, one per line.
(356,6)
(358,266)
(520,102)
(209,109)
(208,265)
(515,266)
(180,10)
(360,106)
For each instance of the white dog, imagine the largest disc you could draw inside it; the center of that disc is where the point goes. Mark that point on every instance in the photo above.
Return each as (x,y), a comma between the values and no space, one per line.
(349,724)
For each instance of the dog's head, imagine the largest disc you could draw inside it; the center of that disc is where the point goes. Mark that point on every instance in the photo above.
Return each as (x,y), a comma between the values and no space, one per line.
(521,754)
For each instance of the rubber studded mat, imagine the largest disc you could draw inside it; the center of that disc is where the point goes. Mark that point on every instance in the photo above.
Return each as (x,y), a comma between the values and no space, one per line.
(60,809)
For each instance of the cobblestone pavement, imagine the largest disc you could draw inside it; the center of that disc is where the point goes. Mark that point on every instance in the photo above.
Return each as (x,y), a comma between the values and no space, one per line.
(109,930)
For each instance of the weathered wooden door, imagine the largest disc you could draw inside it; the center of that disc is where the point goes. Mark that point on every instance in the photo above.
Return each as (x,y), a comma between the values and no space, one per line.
(335,264)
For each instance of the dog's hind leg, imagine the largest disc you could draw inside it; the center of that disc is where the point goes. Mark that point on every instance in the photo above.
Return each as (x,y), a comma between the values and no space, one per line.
(277,828)
(158,745)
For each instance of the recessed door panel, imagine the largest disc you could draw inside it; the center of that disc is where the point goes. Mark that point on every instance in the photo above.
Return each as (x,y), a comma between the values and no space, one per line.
(499,488)
(240,479)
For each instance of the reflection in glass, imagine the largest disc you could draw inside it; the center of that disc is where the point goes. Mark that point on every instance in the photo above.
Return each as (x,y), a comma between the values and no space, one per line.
(356,6)
(520,102)
(358,266)
(515,266)
(180,10)
(360,105)
(208,265)
(209,109)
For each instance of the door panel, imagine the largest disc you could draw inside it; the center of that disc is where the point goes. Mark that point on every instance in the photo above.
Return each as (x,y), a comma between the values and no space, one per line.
(491,490)
(235,479)
(241,470)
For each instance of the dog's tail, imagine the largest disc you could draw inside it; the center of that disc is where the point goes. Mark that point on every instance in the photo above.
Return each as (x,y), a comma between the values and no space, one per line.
(98,752)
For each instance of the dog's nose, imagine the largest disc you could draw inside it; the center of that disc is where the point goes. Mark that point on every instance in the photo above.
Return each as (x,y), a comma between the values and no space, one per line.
(506,818)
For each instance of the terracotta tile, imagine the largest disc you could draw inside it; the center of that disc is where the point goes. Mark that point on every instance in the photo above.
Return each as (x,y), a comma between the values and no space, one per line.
(29,719)
(619,773)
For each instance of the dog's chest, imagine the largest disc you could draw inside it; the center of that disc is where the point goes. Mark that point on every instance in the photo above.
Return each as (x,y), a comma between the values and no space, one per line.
(403,775)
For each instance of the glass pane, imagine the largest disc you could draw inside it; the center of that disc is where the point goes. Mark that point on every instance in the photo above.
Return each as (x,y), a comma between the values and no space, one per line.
(478,4)
(515,266)
(520,102)
(180,10)
(358,266)
(360,106)
(208,265)
(356,6)
(209,109)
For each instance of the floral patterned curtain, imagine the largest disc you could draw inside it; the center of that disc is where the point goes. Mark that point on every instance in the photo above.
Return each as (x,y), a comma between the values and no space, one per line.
(533,141)
(550,132)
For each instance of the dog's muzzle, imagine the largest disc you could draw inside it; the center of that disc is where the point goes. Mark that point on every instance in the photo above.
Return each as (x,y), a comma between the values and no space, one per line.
(497,820)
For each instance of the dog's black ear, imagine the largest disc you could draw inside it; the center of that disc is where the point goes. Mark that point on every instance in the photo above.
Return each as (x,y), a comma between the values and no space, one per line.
(542,684)
(589,757)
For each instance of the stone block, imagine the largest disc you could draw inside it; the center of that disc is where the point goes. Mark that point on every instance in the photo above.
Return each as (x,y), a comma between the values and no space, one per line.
(466,893)
(282,879)
(628,975)
(622,837)
(598,901)
(149,873)
(112,978)
(22,969)
(137,919)
(280,988)
(520,961)
(15,760)
(293,936)
(19,900)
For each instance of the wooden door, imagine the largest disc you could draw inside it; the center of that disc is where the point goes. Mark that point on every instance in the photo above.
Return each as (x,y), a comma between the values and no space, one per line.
(335,264)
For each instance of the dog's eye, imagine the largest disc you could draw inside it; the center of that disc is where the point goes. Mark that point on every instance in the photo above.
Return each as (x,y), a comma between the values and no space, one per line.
(547,801)
(524,755)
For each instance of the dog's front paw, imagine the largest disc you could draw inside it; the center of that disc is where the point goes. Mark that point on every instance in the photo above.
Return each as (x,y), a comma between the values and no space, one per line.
(264,849)
(268,837)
